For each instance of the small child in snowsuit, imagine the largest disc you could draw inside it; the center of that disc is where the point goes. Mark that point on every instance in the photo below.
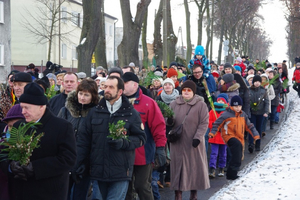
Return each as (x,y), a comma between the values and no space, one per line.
(232,124)
(218,147)
(200,59)
(296,79)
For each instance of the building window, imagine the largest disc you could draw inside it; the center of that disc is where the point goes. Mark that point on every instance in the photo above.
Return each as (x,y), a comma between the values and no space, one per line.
(75,18)
(63,15)
(1,12)
(1,55)
(74,52)
(64,51)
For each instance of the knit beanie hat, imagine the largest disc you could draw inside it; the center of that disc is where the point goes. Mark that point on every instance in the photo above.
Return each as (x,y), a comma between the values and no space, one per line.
(159,79)
(158,73)
(14,112)
(115,70)
(44,82)
(172,72)
(265,75)
(250,67)
(223,97)
(168,80)
(50,75)
(237,68)
(33,94)
(173,63)
(228,78)
(256,78)
(227,65)
(236,101)
(189,84)
(249,76)
(239,59)
(215,74)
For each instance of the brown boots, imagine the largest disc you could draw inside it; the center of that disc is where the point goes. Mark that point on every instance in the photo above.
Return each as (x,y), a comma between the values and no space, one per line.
(193,195)
(178,195)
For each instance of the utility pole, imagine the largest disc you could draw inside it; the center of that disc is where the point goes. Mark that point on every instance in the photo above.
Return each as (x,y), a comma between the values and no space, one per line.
(165,40)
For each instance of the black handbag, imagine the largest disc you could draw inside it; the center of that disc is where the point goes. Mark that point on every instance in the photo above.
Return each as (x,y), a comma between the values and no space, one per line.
(176,132)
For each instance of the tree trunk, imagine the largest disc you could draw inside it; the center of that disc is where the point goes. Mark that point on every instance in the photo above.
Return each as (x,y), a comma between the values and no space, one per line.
(221,42)
(144,41)
(89,34)
(128,49)
(188,32)
(157,42)
(100,51)
(201,10)
(212,30)
(172,39)
(208,28)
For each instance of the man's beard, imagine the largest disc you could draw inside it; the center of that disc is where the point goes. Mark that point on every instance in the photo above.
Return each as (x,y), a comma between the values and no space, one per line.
(109,97)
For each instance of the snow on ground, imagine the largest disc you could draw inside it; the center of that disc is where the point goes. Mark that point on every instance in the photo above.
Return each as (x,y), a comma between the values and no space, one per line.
(274,173)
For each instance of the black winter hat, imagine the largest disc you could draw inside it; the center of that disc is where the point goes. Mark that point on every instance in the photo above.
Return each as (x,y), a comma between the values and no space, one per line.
(256,78)
(250,67)
(189,84)
(44,82)
(21,77)
(236,101)
(173,63)
(33,94)
(227,65)
(49,64)
(228,78)
(13,72)
(129,76)
(115,70)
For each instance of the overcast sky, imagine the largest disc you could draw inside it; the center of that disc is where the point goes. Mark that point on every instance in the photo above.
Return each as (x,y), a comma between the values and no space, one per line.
(274,23)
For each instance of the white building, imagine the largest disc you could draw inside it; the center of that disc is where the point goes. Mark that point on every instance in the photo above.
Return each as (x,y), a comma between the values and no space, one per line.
(28,48)
(5,29)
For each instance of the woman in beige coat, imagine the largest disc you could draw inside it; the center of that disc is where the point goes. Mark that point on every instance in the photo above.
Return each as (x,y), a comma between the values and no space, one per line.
(189,171)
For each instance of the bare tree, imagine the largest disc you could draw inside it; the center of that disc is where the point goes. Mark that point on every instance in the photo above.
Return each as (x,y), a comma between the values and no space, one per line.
(188,31)
(100,51)
(171,37)
(44,23)
(144,41)
(201,4)
(157,42)
(89,34)
(128,49)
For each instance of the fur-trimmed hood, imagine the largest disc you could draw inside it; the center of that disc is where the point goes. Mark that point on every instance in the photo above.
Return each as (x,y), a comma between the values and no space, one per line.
(233,87)
(76,109)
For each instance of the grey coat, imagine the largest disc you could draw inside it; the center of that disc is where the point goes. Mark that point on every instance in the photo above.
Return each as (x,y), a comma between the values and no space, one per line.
(189,169)
(259,95)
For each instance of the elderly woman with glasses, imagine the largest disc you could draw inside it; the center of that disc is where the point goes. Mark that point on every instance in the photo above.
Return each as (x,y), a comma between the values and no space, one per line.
(189,171)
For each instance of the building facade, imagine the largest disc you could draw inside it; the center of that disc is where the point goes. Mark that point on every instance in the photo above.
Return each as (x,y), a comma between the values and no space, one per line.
(5,40)
(32,25)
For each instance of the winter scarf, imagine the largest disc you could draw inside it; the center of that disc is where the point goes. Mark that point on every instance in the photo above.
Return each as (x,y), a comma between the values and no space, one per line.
(219,106)
(168,98)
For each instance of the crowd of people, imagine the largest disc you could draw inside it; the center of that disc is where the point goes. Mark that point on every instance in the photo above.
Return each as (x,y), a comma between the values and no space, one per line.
(217,111)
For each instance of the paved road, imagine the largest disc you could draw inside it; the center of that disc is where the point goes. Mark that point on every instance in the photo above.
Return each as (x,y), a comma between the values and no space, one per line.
(218,182)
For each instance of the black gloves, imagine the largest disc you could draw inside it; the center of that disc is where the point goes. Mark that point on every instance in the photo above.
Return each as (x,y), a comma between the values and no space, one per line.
(170,121)
(160,156)
(196,142)
(77,175)
(21,172)
(116,144)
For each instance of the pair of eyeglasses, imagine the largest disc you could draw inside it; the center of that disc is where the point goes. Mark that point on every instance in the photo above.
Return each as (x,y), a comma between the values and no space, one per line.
(199,72)
(186,90)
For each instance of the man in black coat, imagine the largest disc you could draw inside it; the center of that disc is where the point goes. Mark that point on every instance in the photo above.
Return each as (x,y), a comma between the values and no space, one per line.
(111,161)
(69,83)
(47,174)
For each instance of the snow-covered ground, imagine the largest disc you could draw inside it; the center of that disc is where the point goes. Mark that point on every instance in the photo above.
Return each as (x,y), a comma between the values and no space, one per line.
(275,172)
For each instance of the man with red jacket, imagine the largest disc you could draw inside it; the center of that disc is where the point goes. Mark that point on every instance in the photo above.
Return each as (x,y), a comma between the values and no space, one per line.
(155,130)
